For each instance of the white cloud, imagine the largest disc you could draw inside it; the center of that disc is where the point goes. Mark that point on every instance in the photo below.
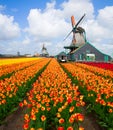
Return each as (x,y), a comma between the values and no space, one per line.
(105,17)
(52,24)
(99,30)
(94,30)
(26,41)
(46,25)
(8,28)
(78,8)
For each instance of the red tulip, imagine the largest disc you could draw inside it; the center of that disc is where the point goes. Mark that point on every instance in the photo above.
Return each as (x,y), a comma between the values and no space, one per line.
(60,128)
(69,100)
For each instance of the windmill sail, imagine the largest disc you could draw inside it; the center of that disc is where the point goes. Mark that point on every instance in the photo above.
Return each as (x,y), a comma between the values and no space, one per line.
(74,25)
(74,29)
(73,21)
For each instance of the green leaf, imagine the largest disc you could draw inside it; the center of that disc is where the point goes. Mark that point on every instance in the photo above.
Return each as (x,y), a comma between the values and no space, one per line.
(14,109)
(103,124)
(56,120)
(110,128)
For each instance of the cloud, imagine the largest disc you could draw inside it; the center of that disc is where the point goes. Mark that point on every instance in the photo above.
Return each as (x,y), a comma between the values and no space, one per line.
(46,25)
(26,41)
(99,30)
(8,28)
(2,7)
(77,8)
(105,17)
(53,24)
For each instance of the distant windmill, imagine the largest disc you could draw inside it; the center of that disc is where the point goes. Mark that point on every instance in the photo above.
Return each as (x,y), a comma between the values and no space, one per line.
(75,30)
(44,51)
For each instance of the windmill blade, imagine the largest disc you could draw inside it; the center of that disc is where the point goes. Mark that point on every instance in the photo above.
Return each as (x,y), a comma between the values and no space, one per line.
(74,29)
(68,35)
(74,26)
(73,21)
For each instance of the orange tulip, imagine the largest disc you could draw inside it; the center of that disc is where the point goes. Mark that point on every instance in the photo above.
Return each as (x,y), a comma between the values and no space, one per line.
(61,120)
(71,120)
(70,128)
(43,117)
(26,126)
(71,109)
(40,129)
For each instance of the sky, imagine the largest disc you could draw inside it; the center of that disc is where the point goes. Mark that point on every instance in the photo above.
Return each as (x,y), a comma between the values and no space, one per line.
(25,25)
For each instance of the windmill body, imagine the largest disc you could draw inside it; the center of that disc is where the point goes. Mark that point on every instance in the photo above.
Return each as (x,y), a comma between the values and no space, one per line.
(78,38)
(44,51)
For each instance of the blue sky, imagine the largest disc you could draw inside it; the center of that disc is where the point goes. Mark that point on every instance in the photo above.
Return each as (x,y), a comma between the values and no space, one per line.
(25,25)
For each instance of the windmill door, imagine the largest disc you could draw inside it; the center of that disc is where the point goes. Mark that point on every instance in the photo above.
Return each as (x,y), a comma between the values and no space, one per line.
(106,58)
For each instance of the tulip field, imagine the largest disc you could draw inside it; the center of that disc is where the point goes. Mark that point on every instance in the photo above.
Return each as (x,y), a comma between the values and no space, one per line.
(101,65)
(53,95)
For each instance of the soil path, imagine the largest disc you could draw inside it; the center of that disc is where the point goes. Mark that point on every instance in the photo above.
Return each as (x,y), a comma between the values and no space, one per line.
(15,122)
(90,122)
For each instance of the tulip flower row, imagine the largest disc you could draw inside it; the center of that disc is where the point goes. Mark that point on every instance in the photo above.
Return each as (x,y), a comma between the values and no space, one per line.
(9,68)
(97,70)
(13,89)
(8,61)
(53,102)
(104,65)
(97,91)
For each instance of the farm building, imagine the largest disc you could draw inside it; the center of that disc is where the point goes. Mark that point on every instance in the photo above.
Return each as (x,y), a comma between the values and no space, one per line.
(87,52)
(80,48)
(62,57)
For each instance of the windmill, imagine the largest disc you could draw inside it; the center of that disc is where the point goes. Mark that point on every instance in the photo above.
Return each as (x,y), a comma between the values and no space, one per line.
(44,51)
(76,30)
